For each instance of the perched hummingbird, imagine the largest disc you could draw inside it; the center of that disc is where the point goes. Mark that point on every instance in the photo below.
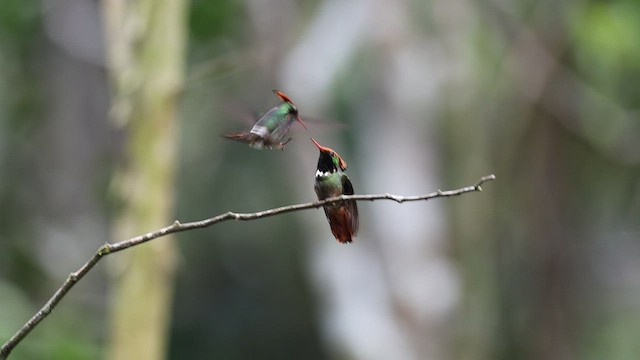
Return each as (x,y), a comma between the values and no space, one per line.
(331,181)
(271,130)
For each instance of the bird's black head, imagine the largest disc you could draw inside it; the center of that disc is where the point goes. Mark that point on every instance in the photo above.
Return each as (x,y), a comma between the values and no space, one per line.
(329,160)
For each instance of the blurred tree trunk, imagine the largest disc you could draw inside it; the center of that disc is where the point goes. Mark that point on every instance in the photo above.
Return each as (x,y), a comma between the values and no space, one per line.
(145,45)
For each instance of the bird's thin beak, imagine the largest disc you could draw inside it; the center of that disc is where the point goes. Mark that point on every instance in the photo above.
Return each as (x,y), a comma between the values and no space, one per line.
(320,147)
(302,123)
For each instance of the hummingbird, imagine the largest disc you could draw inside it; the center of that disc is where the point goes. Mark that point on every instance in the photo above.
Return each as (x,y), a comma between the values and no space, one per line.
(331,181)
(270,131)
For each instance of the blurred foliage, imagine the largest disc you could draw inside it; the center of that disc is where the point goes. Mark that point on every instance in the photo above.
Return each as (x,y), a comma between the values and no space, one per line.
(212,20)
(20,26)
(20,105)
(20,21)
(606,48)
(24,283)
(63,341)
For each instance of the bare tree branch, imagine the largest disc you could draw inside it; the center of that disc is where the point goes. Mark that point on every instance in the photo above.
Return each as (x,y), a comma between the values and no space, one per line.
(177,226)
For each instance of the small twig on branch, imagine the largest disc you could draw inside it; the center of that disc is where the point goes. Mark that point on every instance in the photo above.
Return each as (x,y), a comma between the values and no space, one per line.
(177,226)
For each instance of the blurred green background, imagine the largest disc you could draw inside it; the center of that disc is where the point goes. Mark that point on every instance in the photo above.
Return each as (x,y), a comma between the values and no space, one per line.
(544,264)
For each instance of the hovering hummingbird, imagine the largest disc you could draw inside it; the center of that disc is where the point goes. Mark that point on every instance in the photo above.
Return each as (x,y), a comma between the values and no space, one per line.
(271,130)
(331,181)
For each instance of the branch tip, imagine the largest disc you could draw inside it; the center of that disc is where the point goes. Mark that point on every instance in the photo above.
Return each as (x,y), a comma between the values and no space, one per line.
(483,180)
